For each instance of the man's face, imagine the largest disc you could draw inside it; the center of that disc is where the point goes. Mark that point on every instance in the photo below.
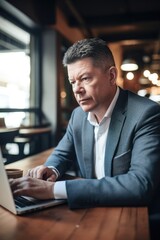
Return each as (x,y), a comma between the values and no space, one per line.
(93,86)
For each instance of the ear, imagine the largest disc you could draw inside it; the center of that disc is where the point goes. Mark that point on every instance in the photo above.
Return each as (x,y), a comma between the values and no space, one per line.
(113,75)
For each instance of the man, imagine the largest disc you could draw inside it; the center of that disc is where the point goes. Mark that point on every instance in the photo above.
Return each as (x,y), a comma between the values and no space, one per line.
(112,139)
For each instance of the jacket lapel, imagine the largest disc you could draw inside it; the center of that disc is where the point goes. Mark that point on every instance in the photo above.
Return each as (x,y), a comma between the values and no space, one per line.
(88,148)
(116,124)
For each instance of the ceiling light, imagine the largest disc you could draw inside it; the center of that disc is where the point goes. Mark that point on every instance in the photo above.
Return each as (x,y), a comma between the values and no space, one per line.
(130,76)
(146,73)
(129,65)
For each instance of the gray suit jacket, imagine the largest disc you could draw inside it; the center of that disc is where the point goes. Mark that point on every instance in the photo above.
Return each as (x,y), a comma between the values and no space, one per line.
(132,156)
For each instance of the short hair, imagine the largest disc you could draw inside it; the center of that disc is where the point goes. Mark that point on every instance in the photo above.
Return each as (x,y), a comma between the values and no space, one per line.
(93,48)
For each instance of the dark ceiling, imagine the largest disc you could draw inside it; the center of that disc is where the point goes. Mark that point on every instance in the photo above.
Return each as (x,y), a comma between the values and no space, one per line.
(135,24)
(114,20)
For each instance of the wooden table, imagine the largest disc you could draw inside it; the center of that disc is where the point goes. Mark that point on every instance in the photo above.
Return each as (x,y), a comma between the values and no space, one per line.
(39,138)
(110,223)
(26,132)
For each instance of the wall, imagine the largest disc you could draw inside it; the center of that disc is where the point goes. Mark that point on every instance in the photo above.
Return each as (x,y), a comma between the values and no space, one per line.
(117,53)
(50,78)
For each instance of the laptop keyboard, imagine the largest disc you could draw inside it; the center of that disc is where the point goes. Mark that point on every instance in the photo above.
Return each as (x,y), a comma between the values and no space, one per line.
(23,202)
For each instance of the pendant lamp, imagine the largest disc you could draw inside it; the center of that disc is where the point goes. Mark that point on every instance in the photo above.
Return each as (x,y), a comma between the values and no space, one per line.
(129,65)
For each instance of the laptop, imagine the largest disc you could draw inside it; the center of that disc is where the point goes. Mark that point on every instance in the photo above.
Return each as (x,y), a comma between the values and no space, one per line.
(20,205)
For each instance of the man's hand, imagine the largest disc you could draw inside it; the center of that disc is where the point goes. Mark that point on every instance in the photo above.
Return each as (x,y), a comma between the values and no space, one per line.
(42,172)
(32,187)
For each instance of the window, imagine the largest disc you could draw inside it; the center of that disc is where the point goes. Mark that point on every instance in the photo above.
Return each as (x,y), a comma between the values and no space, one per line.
(14,71)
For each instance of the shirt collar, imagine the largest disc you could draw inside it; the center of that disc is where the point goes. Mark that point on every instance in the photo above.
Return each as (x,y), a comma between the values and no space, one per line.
(91,118)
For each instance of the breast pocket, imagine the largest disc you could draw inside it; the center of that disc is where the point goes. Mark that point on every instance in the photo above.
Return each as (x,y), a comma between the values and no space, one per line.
(121,163)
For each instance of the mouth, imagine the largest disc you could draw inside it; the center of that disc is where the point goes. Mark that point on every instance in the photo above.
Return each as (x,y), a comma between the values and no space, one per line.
(83,101)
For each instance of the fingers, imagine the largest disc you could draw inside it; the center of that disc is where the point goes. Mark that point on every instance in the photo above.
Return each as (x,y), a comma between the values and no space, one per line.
(42,172)
(52,178)
(37,172)
(32,187)
(17,185)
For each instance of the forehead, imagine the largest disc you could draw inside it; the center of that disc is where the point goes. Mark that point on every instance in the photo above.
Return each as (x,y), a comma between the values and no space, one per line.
(80,67)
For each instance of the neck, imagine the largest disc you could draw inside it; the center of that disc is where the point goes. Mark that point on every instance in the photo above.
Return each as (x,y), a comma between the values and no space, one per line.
(99,114)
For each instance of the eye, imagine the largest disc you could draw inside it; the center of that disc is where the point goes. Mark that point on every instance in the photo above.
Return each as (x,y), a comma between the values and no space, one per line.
(71,82)
(86,79)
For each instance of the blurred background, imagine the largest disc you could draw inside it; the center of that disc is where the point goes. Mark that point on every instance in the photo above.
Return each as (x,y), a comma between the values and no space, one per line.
(34,91)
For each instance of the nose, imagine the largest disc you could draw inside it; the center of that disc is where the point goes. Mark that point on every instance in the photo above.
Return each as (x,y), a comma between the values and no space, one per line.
(77,87)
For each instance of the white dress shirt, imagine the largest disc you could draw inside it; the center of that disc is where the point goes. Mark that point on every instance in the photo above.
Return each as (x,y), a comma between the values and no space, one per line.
(100,135)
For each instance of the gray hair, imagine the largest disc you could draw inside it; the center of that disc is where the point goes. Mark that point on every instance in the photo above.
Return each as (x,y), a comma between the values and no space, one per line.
(93,48)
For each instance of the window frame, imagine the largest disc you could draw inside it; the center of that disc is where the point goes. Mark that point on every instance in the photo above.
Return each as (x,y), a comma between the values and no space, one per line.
(16,17)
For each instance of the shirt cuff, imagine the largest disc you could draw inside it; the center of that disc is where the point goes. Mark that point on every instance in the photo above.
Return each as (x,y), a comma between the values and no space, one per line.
(59,190)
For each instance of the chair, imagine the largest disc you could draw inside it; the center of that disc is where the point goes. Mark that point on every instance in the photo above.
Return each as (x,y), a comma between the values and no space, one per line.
(2,140)
(2,122)
(11,136)
(21,142)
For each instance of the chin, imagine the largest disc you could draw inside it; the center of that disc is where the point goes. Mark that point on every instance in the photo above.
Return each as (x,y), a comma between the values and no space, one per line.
(87,109)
